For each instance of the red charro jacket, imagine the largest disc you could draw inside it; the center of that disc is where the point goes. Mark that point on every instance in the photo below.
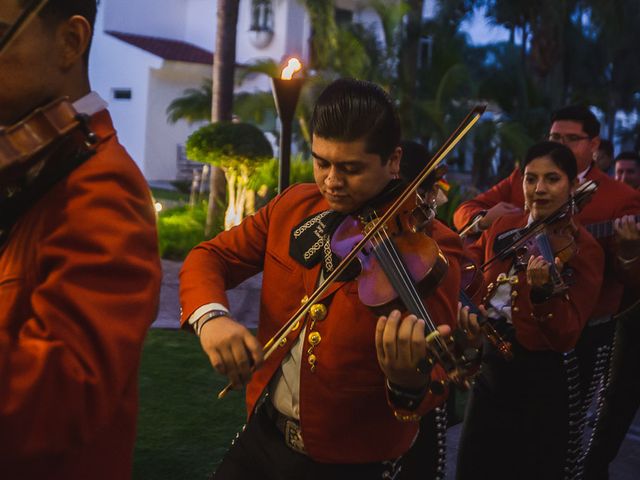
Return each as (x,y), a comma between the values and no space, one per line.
(344,414)
(612,200)
(79,283)
(556,324)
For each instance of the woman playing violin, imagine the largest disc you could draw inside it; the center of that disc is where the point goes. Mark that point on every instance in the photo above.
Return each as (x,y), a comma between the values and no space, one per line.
(522,415)
(341,396)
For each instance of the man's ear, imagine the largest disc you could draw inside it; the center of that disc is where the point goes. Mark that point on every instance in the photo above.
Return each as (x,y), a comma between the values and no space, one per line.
(74,37)
(394,162)
(594,144)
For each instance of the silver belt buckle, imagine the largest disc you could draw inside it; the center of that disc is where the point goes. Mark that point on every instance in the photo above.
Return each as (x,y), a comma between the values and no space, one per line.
(293,437)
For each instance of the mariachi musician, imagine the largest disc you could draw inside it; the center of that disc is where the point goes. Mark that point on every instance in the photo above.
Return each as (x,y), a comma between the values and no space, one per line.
(341,396)
(621,398)
(517,423)
(613,203)
(79,268)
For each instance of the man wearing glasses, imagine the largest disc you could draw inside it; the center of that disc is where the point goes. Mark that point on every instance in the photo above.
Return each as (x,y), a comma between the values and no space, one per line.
(615,202)
(577,128)
(79,268)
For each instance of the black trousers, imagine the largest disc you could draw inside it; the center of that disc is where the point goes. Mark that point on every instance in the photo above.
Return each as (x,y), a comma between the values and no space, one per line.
(259,452)
(594,353)
(517,420)
(426,459)
(621,398)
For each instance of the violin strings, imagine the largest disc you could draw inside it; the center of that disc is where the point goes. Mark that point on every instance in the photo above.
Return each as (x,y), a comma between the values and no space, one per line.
(403,279)
(394,271)
(542,239)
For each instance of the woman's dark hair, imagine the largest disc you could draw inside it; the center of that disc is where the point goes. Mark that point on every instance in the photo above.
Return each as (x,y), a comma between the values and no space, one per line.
(349,110)
(414,158)
(559,154)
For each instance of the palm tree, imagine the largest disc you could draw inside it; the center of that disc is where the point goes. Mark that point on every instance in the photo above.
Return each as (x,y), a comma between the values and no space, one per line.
(224,63)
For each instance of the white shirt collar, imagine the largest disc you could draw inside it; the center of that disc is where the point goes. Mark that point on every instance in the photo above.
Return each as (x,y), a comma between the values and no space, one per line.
(582,175)
(90,104)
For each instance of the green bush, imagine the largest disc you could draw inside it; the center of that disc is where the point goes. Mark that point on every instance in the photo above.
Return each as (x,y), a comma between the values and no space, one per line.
(177,196)
(267,174)
(182,228)
(229,145)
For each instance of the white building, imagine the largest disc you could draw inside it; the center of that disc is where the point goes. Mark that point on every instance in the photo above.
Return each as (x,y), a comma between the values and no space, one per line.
(147,52)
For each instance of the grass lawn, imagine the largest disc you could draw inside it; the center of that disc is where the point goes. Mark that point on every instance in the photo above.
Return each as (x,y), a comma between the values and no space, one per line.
(183,430)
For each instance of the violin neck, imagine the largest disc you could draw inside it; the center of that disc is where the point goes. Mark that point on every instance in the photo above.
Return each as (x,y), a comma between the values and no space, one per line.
(466,301)
(544,245)
(396,271)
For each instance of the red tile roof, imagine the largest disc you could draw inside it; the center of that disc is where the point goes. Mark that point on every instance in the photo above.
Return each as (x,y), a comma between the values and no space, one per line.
(168,49)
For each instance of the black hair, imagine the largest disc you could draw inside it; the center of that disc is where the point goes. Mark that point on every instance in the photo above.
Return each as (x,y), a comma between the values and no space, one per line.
(57,11)
(349,110)
(580,114)
(414,158)
(629,156)
(559,154)
(606,146)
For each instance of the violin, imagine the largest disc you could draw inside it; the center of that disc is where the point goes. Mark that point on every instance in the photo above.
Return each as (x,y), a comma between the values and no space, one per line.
(552,237)
(368,235)
(401,265)
(22,145)
(30,143)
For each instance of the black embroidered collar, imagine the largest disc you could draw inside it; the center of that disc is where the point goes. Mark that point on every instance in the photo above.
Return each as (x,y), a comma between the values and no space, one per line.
(310,240)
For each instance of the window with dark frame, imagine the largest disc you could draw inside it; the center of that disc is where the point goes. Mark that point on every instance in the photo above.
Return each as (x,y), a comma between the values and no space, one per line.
(121,93)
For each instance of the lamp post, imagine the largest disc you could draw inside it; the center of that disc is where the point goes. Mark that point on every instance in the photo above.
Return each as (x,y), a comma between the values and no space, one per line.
(286,91)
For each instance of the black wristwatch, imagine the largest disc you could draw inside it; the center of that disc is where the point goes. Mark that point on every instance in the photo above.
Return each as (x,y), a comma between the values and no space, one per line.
(404,398)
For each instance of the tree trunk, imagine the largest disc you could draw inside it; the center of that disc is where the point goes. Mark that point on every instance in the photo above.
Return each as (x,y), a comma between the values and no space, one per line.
(408,65)
(232,194)
(224,63)
(217,198)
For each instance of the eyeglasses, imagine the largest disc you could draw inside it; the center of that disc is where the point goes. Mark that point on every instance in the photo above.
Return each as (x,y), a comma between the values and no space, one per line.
(23,20)
(567,139)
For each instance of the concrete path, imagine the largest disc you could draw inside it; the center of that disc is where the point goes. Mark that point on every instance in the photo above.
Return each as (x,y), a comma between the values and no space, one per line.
(245,299)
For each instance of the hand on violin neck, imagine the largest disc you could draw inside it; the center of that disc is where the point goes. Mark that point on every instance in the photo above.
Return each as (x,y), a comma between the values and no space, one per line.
(539,278)
(468,324)
(538,273)
(401,346)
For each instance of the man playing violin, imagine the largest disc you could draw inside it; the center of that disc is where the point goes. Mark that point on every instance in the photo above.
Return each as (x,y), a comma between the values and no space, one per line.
(341,396)
(517,421)
(79,269)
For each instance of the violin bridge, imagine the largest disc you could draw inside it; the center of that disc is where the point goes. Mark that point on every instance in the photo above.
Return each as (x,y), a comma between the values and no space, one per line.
(371,224)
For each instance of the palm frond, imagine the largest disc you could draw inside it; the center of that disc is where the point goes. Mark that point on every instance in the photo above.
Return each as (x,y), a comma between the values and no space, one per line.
(193,106)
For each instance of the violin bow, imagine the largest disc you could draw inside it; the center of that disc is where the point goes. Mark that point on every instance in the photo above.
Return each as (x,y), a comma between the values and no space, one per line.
(461,130)
(27,15)
(582,194)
